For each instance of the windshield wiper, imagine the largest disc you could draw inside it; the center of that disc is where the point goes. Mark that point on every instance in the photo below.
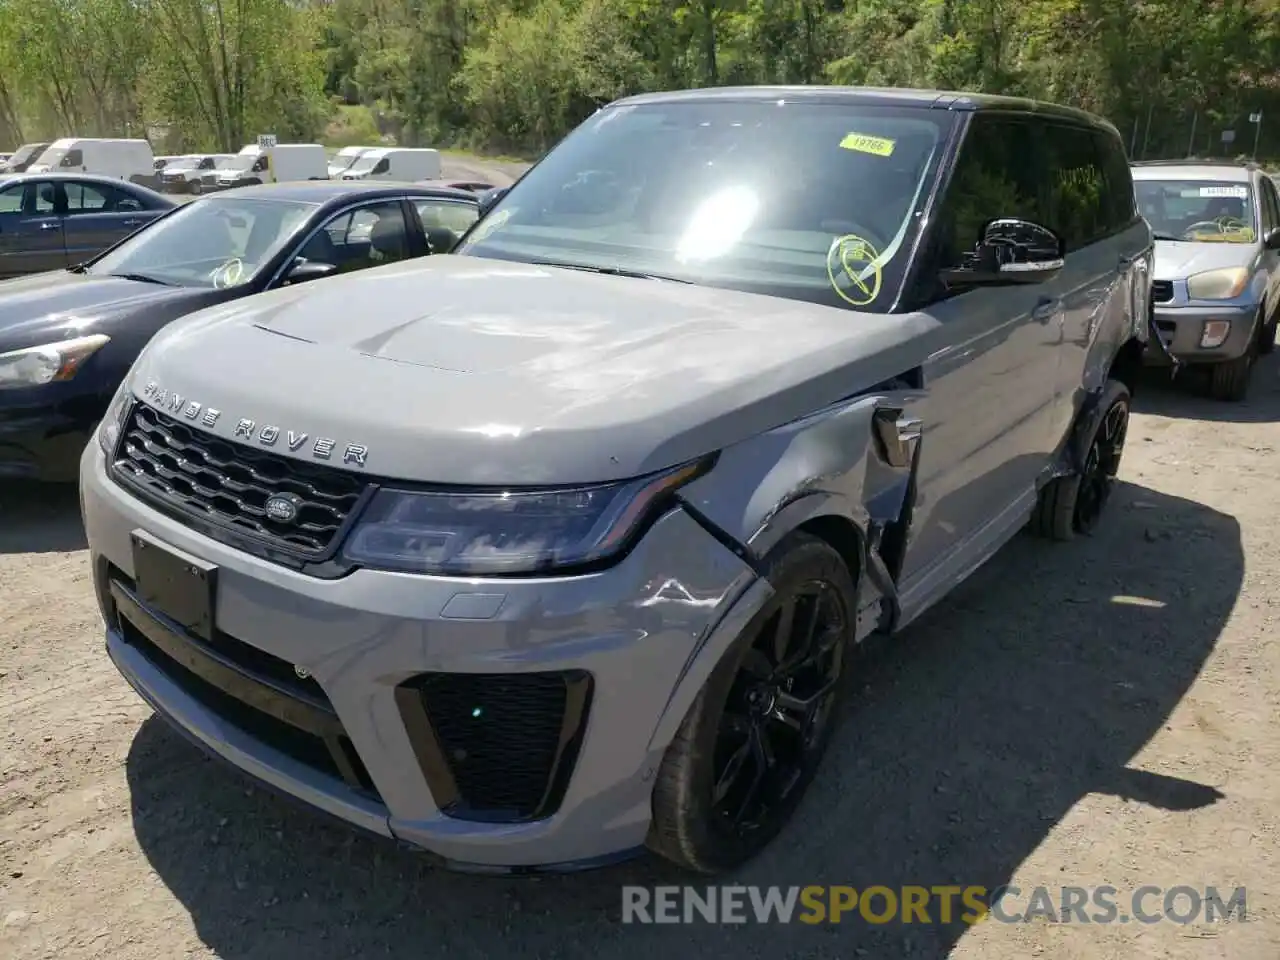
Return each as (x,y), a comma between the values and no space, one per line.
(141,278)
(1157,235)
(608,271)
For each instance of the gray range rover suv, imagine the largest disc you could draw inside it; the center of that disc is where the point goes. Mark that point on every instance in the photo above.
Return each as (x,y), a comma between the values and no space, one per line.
(542,553)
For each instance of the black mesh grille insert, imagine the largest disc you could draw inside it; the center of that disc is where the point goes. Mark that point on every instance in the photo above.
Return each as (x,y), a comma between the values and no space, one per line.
(196,474)
(500,747)
(1161,291)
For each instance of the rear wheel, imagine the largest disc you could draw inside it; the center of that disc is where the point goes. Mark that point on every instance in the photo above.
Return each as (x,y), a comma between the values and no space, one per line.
(750,745)
(1074,504)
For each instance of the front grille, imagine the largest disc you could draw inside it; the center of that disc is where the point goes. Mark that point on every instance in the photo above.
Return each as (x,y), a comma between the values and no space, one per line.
(196,474)
(497,747)
(1161,291)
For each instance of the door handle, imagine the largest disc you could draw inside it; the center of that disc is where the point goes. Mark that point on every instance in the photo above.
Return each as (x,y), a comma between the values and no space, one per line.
(47,225)
(132,223)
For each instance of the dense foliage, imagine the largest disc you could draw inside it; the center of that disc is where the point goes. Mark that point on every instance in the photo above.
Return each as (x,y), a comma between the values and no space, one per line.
(514,75)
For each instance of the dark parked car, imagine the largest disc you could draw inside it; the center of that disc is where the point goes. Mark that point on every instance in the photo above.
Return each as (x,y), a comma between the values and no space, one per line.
(68,337)
(23,157)
(49,220)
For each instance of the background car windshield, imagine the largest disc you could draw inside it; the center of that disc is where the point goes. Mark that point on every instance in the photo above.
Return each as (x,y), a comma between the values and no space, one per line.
(53,156)
(241,161)
(363,164)
(215,242)
(1203,211)
(801,200)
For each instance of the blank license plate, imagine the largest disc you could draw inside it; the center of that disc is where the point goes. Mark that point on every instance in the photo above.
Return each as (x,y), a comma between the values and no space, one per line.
(180,588)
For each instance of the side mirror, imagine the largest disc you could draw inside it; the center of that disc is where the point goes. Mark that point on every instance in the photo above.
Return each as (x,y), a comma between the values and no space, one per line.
(489,199)
(304,270)
(1010,251)
(1272,239)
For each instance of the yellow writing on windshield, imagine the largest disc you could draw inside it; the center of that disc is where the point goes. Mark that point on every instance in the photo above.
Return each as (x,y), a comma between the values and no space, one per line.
(864,143)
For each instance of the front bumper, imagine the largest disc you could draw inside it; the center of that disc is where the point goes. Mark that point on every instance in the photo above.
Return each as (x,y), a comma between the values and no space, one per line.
(644,632)
(1181,327)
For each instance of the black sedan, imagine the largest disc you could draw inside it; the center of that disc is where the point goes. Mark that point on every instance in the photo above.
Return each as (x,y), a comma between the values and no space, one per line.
(68,337)
(54,220)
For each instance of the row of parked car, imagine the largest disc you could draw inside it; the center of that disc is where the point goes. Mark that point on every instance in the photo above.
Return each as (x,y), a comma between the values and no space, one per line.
(131,160)
(556,548)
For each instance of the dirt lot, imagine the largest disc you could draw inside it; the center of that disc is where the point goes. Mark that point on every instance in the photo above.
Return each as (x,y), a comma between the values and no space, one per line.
(1037,729)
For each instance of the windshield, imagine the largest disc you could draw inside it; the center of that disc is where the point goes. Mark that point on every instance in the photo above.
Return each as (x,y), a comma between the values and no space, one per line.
(811,201)
(214,242)
(364,163)
(26,153)
(1198,211)
(181,163)
(342,163)
(53,156)
(241,161)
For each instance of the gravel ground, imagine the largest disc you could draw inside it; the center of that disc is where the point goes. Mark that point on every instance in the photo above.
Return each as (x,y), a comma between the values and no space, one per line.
(1037,728)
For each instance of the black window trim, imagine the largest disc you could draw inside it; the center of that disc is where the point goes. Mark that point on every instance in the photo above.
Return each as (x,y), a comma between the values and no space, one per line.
(416,242)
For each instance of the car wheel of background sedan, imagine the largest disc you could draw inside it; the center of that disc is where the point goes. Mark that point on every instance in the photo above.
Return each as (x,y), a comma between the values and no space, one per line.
(1230,379)
(196,186)
(1074,504)
(751,743)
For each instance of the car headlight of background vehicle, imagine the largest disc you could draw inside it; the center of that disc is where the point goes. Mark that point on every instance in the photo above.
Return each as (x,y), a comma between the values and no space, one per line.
(35,366)
(1225,284)
(116,416)
(473,533)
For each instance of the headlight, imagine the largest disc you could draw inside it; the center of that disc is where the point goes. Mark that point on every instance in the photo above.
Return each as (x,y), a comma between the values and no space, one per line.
(52,362)
(114,420)
(509,532)
(1225,284)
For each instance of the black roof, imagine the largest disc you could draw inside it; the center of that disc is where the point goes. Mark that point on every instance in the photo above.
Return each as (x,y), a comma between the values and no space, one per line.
(332,191)
(873,96)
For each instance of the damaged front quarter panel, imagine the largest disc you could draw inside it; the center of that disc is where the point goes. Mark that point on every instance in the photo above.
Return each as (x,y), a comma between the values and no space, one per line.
(844,473)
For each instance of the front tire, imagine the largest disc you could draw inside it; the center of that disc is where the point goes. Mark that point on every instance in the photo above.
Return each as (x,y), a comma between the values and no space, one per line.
(751,743)
(1074,504)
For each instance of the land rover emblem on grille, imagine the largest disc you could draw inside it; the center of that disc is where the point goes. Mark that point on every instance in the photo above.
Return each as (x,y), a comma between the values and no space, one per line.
(283,507)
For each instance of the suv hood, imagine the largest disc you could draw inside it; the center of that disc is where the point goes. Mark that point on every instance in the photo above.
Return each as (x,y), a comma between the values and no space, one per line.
(457,369)
(1176,260)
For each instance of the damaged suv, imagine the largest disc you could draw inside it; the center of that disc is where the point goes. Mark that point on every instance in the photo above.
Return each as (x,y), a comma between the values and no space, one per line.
(543,553)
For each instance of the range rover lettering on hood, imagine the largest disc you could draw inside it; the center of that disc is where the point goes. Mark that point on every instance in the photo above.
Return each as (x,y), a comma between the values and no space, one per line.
(252,431)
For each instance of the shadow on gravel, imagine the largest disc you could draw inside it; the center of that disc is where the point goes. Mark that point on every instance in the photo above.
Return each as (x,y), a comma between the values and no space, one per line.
(1032,686)
(1187,398)
(40,518)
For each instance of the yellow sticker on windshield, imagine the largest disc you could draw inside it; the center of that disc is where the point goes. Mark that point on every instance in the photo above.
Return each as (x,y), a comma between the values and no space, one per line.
(863,143)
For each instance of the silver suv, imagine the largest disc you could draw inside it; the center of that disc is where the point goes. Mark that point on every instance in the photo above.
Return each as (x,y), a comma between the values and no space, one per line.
(539,554)
(1217,274)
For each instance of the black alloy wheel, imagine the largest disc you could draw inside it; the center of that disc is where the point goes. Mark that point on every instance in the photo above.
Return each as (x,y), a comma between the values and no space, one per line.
(1102,464)
(751,742)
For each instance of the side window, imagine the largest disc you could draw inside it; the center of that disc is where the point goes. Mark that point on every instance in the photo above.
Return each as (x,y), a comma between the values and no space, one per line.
(11,199)
(260,164)
(47,198)
(383,166)
(1076,186)
(453,215)
(1001,172)
(365,237)
(206,164)
(1118,203)
(86,198)
(74,158)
